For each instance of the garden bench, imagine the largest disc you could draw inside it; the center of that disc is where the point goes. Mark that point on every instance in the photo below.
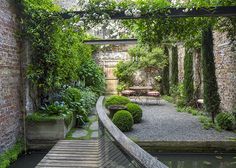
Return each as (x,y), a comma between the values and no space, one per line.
(154,94)
(128,92)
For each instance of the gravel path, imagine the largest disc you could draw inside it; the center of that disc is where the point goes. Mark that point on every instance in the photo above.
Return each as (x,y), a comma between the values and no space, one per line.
(164,123)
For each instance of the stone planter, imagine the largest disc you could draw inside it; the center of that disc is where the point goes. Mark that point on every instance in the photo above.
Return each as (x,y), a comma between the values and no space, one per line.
(114,108)
(44,134)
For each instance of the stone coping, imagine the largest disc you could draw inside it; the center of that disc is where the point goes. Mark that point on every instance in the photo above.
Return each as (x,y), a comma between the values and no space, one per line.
(188,146)
(131,148)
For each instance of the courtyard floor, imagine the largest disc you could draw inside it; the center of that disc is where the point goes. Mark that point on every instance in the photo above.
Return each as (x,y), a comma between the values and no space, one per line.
(163,123)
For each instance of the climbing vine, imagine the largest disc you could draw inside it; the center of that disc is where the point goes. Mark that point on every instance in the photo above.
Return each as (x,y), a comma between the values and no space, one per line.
(56,44)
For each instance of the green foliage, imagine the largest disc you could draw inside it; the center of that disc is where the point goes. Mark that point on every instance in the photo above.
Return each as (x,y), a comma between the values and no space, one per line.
(136,111)
(176,92)
(116,100)
(168,98)
(189,109)
(120,87)
(123,120)
(148,59)
(55,109)
(42,116)
(71,95)
(57,45)
(211,96)
(92,76)
(124,71)
(174,66)
(206,121)
(11,155)
(153,60)
(88,100)
(188,77)
(165,83)
(80,102)
(225,120)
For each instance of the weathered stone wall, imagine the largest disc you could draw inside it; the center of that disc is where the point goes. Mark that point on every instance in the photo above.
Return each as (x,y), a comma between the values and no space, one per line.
(197,72)
(10,78)
(107,58)
(181,54)
(225,61)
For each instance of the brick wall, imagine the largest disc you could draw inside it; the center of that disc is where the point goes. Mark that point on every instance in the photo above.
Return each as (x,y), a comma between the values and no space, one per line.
(225,61)
(10,78)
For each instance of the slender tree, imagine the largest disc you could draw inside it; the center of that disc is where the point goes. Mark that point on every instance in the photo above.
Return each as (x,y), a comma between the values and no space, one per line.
(165,83)
(211,96)
(188,76)
(174,66)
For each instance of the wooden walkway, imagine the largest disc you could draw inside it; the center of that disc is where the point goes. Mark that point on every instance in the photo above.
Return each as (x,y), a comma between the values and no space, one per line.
(84,154)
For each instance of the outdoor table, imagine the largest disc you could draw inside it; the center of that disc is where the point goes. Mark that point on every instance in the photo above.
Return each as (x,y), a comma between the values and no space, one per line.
(140,89)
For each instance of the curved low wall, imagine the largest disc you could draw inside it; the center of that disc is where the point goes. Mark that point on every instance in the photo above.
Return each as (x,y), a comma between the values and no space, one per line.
(126,145)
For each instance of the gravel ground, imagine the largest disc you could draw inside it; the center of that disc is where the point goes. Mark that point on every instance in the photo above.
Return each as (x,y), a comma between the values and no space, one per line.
(163,123)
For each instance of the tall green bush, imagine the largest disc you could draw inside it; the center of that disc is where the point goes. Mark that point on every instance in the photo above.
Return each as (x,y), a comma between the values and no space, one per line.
(188,76)
(174,66)
(211,96)
(165,83)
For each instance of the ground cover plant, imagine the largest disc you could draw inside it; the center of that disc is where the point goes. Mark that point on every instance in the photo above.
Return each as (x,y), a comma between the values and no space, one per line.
(10,155)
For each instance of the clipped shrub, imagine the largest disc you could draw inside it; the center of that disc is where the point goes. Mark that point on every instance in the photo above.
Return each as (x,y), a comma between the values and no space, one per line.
(136,111)
(116,100)
(71,95)
(123,120)
(225,120)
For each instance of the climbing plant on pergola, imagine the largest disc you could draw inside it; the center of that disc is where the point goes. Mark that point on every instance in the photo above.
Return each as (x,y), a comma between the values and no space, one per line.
(160,20)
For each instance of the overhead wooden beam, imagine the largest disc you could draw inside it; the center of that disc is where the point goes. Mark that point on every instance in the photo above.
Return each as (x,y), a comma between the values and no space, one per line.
(111,41)
(224,11)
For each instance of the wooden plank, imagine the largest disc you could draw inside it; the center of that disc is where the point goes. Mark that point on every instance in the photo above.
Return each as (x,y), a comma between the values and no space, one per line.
(78,153)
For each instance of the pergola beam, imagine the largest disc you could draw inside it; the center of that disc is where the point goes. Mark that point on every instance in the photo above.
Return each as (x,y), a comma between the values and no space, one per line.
(224,11)
(111,41)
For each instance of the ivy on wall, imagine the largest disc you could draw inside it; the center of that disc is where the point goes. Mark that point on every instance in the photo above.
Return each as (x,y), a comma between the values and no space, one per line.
(57,45)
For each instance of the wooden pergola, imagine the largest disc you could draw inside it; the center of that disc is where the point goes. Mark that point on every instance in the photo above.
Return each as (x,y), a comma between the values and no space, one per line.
(111,41)
(223,11)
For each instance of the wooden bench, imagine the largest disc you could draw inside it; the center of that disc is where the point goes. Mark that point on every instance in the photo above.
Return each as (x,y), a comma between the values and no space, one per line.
(127,92)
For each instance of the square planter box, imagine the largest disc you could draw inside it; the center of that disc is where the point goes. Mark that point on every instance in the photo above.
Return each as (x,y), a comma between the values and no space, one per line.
(44,134)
